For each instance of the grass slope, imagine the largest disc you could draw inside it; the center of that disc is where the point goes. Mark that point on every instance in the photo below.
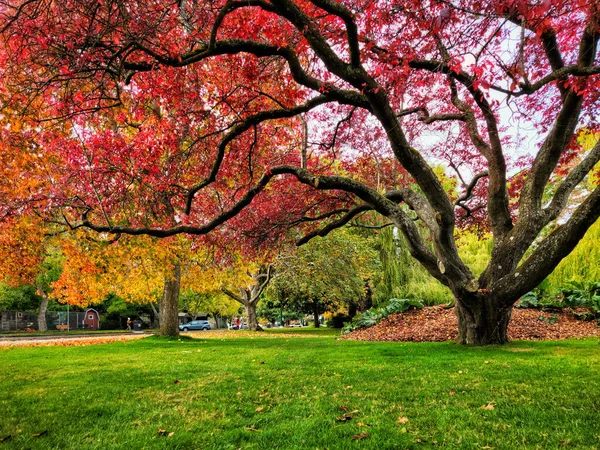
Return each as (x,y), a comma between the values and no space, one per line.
(305,392)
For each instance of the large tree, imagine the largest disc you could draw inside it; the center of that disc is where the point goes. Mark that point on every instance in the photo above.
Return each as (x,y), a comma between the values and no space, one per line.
(138,269)
(176,116)
(249,295)
(325,274)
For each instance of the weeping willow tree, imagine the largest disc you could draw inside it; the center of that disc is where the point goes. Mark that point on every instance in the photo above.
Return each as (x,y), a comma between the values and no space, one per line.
(583,264)
(402,277)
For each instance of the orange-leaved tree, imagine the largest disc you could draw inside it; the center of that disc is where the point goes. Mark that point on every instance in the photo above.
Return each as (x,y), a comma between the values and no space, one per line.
(28,255)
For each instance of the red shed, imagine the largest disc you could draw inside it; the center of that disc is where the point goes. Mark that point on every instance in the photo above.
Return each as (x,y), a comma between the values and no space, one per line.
(92,319)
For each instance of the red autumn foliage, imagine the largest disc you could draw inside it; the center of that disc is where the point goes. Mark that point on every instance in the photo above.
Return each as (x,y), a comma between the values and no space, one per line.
(437,323)
(245,119)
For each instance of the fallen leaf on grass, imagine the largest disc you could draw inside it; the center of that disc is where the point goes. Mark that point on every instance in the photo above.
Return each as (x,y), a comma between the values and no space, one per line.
(402,420)
(5,438)
(176,382)
(451,394)
(251,428)
(42,433)
(489,407)
(344,418)
(360,424)
(166,433)
(358,437)
(259,409)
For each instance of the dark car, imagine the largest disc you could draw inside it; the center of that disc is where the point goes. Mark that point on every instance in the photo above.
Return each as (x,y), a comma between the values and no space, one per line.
(195,325)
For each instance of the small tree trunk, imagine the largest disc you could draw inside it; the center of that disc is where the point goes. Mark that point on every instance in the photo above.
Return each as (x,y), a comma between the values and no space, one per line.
(482,321)
(352,309)
(316,315)
(367,302)
(169,307)
(41,318)
(155,317)
(251,317)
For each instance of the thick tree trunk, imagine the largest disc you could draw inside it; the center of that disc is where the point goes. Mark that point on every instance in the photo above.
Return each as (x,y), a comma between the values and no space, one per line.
(316,315)
(169,307)
(482,321)
(251,317)
(41,318)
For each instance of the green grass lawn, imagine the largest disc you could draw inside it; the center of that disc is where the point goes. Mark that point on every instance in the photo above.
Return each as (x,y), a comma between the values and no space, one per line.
(305,392)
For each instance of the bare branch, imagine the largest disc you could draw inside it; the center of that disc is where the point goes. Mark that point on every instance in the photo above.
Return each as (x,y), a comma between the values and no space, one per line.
(551,250)
(371,227)
(347,16)
(236,297)
(575,177)
(443,118)
(560,135)
(334,225)
(240,128)
(469,189)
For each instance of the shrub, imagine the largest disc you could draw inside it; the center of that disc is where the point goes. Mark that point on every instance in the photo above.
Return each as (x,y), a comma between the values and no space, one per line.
(575,294)
(374,315)
(529,300)
(110,322)
(338,320)
(582,294)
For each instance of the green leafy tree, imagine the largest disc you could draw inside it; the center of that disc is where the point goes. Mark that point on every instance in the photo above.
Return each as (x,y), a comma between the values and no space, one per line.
(215,304)
(324,274)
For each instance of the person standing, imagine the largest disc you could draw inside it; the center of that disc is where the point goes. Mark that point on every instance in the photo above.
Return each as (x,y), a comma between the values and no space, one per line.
(129,324)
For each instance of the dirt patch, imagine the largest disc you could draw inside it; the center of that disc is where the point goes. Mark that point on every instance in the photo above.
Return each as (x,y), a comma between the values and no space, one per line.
(437,323)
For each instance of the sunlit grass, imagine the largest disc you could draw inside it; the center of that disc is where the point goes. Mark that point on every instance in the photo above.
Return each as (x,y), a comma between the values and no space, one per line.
(264,392)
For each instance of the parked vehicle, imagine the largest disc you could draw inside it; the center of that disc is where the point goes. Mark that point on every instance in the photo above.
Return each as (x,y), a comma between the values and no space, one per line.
(195,325)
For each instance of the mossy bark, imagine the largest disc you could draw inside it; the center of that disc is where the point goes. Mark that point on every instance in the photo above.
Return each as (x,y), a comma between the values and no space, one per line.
(483,321)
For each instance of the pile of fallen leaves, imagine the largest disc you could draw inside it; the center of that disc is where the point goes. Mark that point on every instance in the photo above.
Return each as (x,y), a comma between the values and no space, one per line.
(439,323)
(71,342)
